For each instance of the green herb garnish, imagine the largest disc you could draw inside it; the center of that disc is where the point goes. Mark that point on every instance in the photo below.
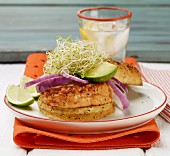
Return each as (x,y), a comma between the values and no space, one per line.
(75,57)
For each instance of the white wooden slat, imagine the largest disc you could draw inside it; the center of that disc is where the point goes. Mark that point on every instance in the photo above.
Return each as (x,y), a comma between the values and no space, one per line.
(85,2)
(26,29)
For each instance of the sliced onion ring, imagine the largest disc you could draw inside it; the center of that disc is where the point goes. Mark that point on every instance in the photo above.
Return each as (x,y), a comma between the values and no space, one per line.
(120,84)
(122,97)
(52,82)
(117,101)
(74,78)
(40,79)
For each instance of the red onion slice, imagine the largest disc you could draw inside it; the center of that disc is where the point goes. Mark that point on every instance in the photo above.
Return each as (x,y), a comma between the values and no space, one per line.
(40,79)
(71,77)
(117,101)
(120,84)
(52,82)
(122,97)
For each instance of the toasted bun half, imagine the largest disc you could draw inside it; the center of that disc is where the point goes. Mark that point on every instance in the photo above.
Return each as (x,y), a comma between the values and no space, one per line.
(127,74)
(77,114)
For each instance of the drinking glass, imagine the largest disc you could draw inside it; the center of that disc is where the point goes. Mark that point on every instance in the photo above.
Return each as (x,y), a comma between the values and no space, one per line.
(108,26)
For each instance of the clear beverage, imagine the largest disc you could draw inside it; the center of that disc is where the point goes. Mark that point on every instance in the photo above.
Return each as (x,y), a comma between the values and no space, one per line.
(112,36)
(109,26)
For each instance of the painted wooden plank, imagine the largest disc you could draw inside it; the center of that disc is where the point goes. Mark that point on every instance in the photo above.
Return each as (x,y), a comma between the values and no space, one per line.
(85,2)
(143,51)
(9,38)
(150,56)
(137,11)
(37,19)
(143,56)
(27,29)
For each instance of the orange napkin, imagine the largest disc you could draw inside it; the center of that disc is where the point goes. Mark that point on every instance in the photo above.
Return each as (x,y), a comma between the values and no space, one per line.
(132,61)
(28,137)
(141,137)
(34,65)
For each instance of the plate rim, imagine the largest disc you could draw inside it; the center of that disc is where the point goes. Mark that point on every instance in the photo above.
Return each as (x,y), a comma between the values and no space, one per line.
(94,121)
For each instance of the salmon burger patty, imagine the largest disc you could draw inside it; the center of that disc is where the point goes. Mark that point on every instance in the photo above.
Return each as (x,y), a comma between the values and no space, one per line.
(77,102)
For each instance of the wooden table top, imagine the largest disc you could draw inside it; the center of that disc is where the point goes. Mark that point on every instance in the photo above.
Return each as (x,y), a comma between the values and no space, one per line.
(32,25)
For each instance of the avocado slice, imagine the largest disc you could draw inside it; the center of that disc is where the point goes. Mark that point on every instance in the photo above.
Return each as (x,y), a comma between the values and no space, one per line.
(101,73)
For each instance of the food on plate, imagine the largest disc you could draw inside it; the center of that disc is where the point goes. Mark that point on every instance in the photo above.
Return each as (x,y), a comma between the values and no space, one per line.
(127,74)
(78,102)
(81,84)
(101,73)
(18,96)
(32,89)
(82,102)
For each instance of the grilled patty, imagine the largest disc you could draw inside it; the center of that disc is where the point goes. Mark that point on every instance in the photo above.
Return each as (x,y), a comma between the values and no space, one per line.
(77,102)
(77,95)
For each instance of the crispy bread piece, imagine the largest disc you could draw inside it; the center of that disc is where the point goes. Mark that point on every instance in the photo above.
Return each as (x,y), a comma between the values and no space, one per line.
(127,74)
(77,114)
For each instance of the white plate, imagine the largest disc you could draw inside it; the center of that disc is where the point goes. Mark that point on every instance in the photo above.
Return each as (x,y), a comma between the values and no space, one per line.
(145,103)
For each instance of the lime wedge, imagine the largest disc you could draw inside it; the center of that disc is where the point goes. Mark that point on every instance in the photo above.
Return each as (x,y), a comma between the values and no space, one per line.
(18,96)
(31,90)
(102,72)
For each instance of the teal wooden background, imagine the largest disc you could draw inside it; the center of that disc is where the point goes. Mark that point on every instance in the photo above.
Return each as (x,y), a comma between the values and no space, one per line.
(27,26)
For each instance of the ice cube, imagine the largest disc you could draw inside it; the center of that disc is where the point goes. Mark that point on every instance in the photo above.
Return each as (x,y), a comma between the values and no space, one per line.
(116,41)
(106,26)
(120,26)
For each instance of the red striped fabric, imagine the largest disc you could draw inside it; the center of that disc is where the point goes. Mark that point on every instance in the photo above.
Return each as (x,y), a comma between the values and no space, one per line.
(160,78)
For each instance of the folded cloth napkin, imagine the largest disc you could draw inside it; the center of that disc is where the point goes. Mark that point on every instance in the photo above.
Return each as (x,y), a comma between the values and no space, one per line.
(160,78)
(34,65)
(141,137)
(28,137)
